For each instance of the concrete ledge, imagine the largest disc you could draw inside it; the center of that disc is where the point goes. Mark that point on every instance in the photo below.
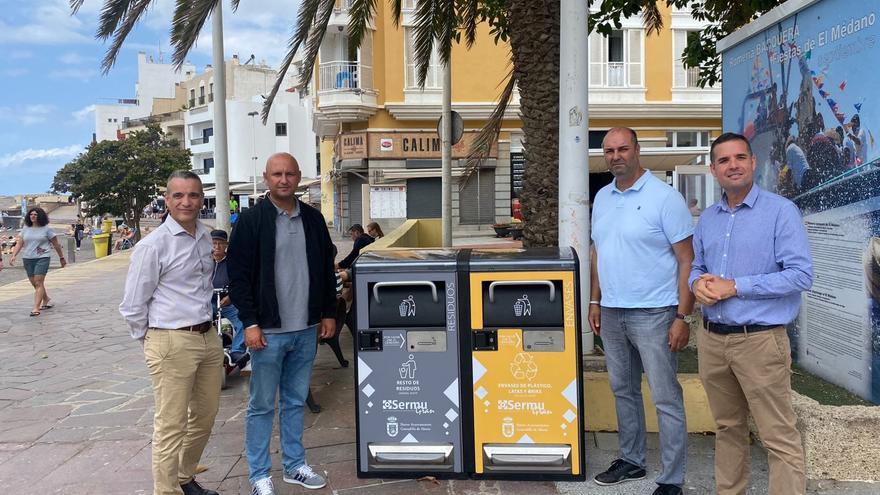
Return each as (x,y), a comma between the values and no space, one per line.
(840,441)
(600,413)
(421,233)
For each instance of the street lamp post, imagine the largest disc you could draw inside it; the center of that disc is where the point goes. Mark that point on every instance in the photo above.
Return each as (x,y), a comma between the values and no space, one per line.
(253,116)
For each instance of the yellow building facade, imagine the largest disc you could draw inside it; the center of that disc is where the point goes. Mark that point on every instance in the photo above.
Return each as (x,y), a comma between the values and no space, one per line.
(380,154)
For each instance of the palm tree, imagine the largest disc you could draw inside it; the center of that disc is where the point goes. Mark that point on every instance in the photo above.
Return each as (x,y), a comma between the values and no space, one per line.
(532,27)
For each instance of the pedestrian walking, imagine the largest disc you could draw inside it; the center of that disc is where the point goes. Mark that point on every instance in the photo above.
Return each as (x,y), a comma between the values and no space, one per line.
(640,305)
(79,231)
(282,282)
(33,243)
(752,261)
(167,306)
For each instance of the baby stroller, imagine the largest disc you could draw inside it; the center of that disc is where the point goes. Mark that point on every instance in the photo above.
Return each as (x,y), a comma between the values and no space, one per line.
(225,330)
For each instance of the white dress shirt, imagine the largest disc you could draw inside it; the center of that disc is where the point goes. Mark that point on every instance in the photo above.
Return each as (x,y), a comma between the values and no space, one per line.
(169,280)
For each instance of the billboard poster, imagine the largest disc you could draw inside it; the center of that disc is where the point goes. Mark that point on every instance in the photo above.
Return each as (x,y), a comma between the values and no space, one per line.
(800,89)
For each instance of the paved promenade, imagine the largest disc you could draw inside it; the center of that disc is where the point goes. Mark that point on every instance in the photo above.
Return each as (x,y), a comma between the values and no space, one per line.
(76,410)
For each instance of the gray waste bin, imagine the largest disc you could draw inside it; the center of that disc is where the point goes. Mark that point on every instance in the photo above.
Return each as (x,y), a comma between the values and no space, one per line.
(408,400)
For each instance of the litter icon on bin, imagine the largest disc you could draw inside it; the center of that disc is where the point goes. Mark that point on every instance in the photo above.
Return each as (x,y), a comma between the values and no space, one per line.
(522,306)
(407,307)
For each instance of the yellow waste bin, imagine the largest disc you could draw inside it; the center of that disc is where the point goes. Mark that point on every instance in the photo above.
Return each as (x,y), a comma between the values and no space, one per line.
(526,365)
(102,244)
(107,226)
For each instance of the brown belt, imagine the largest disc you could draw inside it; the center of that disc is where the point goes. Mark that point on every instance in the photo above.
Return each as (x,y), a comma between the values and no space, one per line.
(198,328)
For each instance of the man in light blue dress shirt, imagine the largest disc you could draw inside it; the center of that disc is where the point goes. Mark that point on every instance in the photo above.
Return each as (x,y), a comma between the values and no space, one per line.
(639,304)
(751,263)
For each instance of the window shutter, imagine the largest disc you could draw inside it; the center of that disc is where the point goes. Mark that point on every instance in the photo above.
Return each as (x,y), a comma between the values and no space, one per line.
(597,58)
(679,74)
(634,39)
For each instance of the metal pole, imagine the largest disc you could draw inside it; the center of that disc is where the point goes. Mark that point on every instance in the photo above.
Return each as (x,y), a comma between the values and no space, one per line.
(221,156)
(574,169)
(254,148)
(446,157)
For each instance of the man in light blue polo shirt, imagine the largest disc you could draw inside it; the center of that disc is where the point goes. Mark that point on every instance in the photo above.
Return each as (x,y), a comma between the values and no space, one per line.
(639,304)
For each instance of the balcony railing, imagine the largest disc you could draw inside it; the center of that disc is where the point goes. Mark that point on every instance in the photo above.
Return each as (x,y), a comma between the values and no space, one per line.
(210,97)
(199,140)
(192,102)
(202,100)
(693,77)
(615,74)
(345,76)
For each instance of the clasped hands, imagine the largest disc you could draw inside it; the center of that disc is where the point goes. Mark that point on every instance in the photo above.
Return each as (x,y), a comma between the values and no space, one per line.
(709,289)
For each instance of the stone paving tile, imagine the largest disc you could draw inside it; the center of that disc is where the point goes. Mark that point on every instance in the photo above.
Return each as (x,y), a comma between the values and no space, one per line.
(23,431)
(34,464)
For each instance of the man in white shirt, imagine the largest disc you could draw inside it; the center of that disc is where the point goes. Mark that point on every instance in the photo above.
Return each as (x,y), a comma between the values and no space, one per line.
(167,305)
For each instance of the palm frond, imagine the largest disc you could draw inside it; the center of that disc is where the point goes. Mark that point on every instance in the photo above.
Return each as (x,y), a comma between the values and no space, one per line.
(423,38)
(482,144)
(189,19)
(235,5)
(653,18)
(131,18)
(307,18)
(112,13)
(313,43)
(396,12)
(360,14)
(470,17)
(446,29)
(75,5)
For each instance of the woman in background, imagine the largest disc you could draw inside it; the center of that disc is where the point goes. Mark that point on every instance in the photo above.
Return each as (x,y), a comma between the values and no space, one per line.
(374,231)
(35,240)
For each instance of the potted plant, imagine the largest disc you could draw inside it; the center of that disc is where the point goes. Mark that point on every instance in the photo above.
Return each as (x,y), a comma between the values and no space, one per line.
(502,229)
(516,229)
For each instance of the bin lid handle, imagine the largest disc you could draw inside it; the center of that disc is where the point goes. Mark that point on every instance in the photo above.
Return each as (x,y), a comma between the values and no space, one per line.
(521,282)
(405,283)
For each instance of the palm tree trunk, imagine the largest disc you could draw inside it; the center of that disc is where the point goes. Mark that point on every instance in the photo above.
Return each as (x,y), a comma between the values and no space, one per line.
(534,41)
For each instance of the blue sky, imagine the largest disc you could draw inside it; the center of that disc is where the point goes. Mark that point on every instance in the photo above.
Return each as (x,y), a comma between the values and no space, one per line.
(51,75)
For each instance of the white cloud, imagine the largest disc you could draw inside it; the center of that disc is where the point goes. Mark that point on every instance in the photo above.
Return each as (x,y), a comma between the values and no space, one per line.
(82,74)
(22,156)
(83,113)
(71,58)
(50,23)
(20,54)
(27,114)
(15,72)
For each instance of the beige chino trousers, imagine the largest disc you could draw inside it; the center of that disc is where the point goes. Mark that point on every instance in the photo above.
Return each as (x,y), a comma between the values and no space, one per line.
(186,370)
(745,373)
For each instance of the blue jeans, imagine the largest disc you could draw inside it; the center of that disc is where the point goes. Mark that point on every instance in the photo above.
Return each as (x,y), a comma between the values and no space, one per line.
(285,362)
(637,339)
(230,312)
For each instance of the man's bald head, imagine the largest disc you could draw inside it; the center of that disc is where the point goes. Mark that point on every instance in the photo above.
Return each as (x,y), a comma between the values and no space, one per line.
(282,175)
(281,158)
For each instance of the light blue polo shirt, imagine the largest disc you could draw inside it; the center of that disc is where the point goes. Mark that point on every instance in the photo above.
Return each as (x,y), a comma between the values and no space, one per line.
(633,232)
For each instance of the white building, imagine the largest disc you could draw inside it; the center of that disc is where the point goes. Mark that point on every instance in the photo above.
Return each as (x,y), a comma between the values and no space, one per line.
(155,80)
(249,142)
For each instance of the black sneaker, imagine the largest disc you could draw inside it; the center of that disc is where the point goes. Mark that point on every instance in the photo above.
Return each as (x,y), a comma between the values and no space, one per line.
(193,488)
(619,472)
(664,489)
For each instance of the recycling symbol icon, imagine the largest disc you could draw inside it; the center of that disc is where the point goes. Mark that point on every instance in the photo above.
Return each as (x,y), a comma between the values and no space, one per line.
(523,367)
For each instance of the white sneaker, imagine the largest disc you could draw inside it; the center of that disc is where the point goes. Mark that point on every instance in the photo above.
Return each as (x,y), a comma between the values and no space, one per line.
(304,476)
(264,486)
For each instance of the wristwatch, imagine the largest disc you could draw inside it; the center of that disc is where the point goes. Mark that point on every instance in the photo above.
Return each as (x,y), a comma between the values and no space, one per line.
(686,318)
